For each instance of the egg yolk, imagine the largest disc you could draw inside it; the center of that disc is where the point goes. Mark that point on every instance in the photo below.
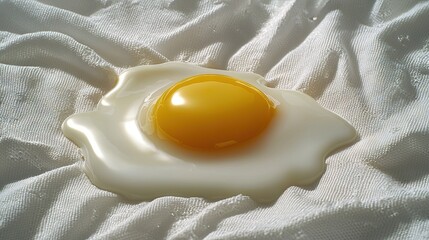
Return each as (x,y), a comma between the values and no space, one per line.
(210,112)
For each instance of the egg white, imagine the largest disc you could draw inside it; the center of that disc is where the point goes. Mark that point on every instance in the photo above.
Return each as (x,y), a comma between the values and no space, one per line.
(125,157)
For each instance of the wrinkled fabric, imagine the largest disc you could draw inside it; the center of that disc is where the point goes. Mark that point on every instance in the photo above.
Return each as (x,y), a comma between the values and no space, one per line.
(367,61)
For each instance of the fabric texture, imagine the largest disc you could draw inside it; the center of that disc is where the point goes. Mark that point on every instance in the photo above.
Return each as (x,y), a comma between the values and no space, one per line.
(367,61)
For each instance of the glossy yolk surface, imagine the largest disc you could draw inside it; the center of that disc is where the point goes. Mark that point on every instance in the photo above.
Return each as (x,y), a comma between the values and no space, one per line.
(209,112)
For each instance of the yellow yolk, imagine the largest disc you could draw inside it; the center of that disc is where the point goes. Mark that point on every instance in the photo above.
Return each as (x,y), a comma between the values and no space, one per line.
(209,112)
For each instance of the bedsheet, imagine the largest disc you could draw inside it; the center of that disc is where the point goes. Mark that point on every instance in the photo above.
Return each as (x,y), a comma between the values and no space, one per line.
(368,61)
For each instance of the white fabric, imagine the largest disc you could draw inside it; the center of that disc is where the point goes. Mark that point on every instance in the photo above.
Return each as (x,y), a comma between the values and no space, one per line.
(367,61)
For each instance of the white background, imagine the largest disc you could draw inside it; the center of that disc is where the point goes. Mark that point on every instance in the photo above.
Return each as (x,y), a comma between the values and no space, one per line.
(368,61)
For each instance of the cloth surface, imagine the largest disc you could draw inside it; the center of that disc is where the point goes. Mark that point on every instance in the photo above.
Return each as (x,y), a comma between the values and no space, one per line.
(368,61)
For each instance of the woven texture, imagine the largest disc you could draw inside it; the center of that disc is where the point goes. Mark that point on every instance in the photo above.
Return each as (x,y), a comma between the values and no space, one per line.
(368,61)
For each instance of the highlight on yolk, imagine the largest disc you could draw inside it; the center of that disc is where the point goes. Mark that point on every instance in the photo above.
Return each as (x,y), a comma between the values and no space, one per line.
(211,111)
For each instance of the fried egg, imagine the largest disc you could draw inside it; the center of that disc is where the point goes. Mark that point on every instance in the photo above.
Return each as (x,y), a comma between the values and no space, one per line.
(176,129)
